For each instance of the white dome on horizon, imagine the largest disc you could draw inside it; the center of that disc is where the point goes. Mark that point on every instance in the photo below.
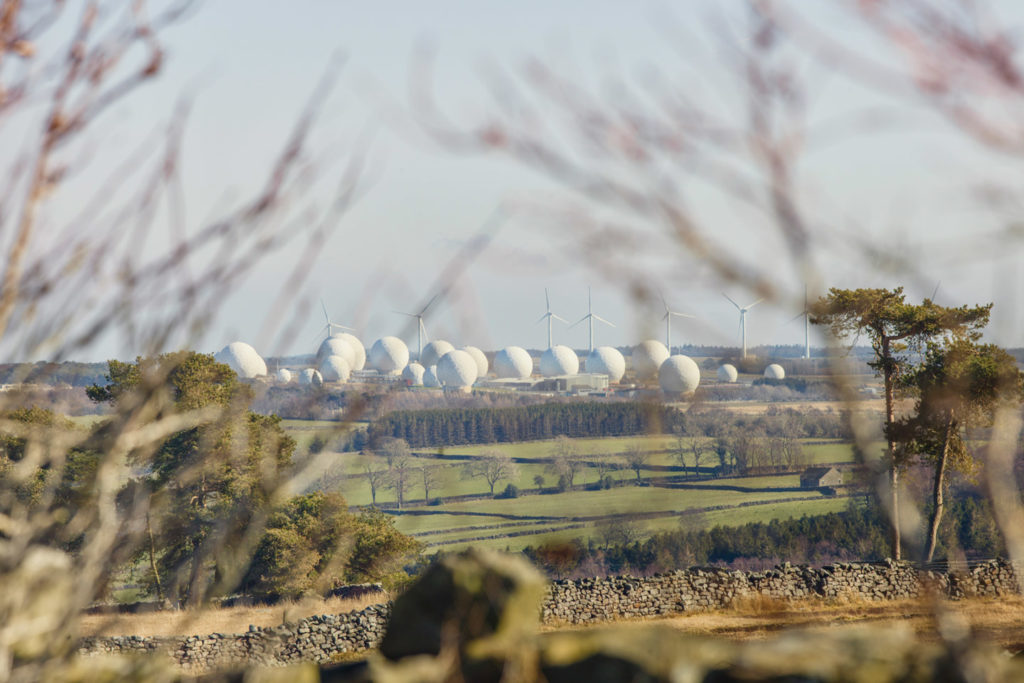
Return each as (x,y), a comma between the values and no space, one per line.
(480,358)
(359,351)
(679,375)
(775,371)
(336,345)
(388,355)
(310,377)
(284,376)
(413,373)
(433,351)
(457,369)
(605,360)
(647,358)
(513,362)
(335,369)
(243,359)
(559,360)
(728,373)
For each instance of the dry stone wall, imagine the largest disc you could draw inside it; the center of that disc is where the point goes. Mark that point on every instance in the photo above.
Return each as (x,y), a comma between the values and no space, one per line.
(322,638)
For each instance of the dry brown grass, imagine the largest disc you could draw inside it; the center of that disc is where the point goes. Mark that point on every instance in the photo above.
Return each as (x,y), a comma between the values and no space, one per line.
(218,620)
(998,620)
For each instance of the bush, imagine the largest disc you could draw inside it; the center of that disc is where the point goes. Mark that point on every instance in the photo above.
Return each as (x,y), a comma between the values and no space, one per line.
(317,445)
(511,491)
(435,502)
(563,484)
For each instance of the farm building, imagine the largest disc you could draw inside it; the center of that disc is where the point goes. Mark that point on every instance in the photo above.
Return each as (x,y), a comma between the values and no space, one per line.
(816,477)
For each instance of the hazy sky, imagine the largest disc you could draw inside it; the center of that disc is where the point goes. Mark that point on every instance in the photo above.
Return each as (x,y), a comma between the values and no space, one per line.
(251,65)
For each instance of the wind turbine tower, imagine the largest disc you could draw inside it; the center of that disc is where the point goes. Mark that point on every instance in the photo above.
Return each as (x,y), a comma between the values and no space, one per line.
(550,316)
(668,322)
(590,317)
(743,320)
(421,330)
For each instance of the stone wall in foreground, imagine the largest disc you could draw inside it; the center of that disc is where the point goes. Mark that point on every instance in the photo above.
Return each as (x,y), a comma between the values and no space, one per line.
(323,638)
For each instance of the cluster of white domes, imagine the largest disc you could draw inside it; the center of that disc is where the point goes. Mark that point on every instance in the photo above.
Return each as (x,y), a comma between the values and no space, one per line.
(648,357)
(310,377)
(243,359)
(336,346)
(433,351)
(774,371)
(604,360)
(513,362)
(457,370)
(388,355)
(728,373)
(413,374)
(559,360)
(358,350)
(679,375)
(430,378)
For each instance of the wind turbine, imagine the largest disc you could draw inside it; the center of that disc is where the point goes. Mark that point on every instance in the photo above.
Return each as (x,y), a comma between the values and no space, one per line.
(806,313)
(743,319)
(549,315)
(329,327)
(421,330)
(591,317)
(668,322)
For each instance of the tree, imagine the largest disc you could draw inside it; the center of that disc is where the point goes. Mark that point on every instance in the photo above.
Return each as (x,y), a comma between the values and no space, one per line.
(492,467)
(210,480)
(605,465)
(431,476)
(376,476)
(400,476)
(565,460)
(699,447)
(958,385)
(394,449)
(636,460)
(893,326)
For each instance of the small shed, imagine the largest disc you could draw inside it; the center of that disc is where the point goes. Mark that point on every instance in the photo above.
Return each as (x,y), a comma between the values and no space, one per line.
(817,477)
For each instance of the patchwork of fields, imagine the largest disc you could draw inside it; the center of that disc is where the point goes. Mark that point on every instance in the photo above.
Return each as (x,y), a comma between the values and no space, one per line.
(666,496)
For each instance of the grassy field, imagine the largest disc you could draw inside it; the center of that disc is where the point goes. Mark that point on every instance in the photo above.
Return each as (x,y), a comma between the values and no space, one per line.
(531,519)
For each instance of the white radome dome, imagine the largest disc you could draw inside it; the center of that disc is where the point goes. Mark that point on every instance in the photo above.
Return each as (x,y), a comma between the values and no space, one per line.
(457,370)
(559,360)
(284,376)
(310,377)
(605,360)
(388,355)
(480,358)
(430,377)
(335,369)
(513,362)
(774,371)
(243,359)
(336,346)
(648,357)
(413,374)
(727,373)
(358,350)
(433,351)
(679,375)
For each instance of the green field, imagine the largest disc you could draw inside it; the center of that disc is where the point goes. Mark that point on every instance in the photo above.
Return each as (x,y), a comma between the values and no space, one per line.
(532,518)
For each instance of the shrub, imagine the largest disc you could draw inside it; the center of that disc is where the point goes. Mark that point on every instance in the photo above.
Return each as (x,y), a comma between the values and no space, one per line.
(511,491)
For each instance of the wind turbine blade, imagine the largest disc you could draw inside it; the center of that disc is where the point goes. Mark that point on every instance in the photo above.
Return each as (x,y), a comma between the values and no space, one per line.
(543,317)
(731,301)
(680,315)
(411,315)
(749,306)
(324,306)
(597,317)
(423,327)
(547,300)
(935,291)
(559,318)
(583,319)
(432,300)
(663,302)
(667,313)
(796,317)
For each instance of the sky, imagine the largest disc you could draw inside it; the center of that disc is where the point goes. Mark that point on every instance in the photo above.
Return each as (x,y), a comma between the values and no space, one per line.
(250,66)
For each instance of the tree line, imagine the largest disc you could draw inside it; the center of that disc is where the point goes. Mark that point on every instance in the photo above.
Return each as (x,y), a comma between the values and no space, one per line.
(590,419)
